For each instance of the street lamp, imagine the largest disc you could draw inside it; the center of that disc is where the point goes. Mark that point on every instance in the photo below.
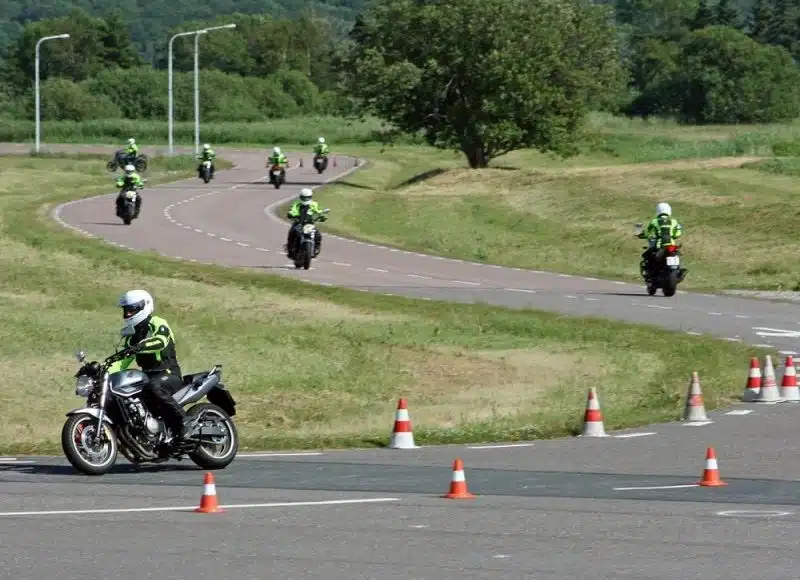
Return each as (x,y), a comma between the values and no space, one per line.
(197,34)
(36,66)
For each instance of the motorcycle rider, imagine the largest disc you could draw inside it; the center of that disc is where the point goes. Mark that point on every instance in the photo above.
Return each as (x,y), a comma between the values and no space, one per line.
(305,202)
(662,230)
(207,154)
(321,148)
(279,159)
(150,342)
(130,179)
(132,150)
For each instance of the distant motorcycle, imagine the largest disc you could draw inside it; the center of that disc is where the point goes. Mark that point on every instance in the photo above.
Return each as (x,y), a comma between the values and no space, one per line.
(305,240)
(205,171)
(115,419)
(320,163)
(666,271)
(277,176)
(121,159)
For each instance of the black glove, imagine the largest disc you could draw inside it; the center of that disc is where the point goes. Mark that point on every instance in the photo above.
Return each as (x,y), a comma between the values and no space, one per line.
(129,351)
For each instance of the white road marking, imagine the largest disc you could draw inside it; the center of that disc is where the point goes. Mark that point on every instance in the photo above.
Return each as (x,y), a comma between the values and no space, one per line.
(520,290)
(656,487)
(341,264)
(763,345)
(226,239)
(697,423)
(192,508)
(766,331)
(659,306)
(288,454)
(466,282)
(753,513)
(501,446)
(419,276)
(740,412)
(693,333)
(377,270)
(715,313)
(630,435)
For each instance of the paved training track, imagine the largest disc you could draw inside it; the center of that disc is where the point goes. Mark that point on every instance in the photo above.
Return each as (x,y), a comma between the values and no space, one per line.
(550,509)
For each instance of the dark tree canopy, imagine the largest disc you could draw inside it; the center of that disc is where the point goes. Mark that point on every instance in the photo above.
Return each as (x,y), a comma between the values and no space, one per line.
(485,77)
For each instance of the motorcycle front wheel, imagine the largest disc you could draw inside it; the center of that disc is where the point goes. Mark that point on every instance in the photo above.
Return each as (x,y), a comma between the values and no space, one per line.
(81,448)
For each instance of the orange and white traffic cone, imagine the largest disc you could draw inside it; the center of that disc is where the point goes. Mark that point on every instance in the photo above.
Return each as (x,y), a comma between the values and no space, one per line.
(208,503)
(593,419)
(769,388)
(711,472)
(458,484)
(695,409)
(789,391)
(402,434)
(753,387)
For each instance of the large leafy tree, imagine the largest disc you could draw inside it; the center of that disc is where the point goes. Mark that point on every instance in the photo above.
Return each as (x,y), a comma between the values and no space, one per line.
(485,77)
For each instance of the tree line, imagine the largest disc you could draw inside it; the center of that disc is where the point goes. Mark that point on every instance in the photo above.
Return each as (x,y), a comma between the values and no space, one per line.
(480,76)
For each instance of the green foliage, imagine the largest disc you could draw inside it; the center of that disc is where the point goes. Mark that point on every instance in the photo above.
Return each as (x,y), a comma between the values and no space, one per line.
(149,22)
(484,77)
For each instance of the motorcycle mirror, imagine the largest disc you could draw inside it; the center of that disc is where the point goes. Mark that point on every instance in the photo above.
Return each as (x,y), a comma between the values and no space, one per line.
(80,355)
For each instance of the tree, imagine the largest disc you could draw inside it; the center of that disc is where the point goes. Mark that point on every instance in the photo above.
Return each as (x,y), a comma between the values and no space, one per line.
(485,77)
(760,20)
(704,16)
(726,15)
(726,77)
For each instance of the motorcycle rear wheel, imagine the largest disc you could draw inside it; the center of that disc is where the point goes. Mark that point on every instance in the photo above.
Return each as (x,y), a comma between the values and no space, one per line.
(204,457)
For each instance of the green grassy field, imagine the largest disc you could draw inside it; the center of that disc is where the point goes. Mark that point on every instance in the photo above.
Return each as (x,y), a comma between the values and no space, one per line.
(302,130)
(732,188)
(315,366)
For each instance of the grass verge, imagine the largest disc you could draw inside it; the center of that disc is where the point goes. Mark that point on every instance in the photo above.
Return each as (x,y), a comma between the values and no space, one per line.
(577,215)
(317,366)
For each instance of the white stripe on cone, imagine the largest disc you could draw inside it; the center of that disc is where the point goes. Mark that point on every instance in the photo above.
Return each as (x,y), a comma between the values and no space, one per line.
(696,411)
(769,388)
(209,489)
(458,476)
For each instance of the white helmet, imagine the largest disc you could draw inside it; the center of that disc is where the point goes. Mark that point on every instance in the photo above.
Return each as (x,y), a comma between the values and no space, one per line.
(305,196)
(131,141)
(129,168)
(206,146)
(663,208)
(321,140)
(137,306)
(277,150)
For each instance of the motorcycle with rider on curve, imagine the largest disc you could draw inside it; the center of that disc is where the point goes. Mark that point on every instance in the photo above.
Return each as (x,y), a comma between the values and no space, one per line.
(116,420)
(666,270)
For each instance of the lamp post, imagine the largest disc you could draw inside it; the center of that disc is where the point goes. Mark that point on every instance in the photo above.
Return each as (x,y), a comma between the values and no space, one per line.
(36,89)
(197,34)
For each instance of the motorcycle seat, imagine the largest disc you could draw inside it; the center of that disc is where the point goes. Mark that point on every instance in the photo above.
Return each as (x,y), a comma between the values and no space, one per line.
(194,378)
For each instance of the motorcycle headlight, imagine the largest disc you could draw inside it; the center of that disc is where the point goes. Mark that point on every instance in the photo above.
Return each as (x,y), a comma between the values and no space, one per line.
(83,386)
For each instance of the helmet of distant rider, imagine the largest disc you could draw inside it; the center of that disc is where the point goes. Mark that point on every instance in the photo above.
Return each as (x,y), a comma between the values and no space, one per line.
(129,168)
(663,208)
(276,150)
(137,306)
(131,141)
(206,146)
(321,140)
(305,196)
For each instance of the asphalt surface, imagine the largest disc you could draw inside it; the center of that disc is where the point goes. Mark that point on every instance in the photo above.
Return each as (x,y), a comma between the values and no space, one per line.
(546,509)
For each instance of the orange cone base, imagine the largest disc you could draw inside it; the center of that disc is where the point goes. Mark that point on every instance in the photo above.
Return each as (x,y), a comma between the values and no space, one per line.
(459,495)
(209,510)
(712,483)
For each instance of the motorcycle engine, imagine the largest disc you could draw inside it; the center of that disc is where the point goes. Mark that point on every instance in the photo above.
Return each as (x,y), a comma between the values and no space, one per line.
(143,421)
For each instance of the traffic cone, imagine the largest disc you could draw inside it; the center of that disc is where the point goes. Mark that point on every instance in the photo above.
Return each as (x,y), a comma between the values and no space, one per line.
(789,390)
(695,409)
(208,503)
(593,419)
(769,388)
(711,472)
(458,484)
(402,434)
(753,387)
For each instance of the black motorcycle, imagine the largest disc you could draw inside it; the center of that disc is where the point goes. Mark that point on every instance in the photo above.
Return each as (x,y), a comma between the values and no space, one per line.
(115,419)
(205,171)
(277,176)
(126,204)
(320,163)
(664,270)
(304,248)
(121,159)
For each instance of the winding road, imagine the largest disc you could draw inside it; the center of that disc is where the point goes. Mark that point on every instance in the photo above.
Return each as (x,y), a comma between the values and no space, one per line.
(624,507)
